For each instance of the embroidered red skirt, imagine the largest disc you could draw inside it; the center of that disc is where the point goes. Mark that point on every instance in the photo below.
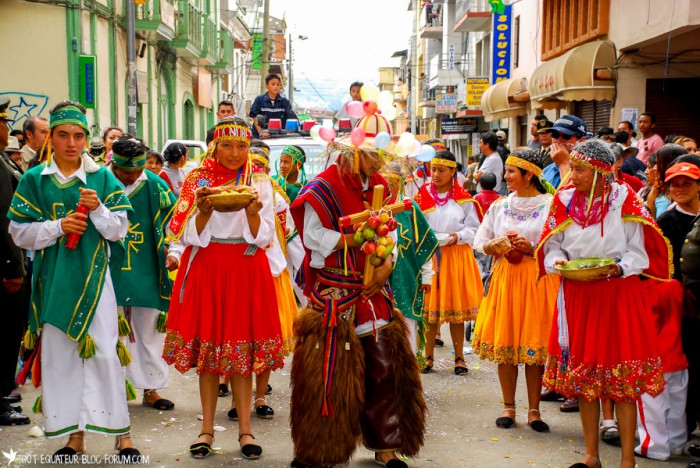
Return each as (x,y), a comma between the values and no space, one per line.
(225,321)
(612,342)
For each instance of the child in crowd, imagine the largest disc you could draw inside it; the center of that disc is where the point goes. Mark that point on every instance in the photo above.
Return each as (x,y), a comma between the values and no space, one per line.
(487,194)
(154,162)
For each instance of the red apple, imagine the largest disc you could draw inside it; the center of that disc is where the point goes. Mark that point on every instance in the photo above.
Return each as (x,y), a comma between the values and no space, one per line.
(369,247)
(392,224)
(382,230)
(373,221)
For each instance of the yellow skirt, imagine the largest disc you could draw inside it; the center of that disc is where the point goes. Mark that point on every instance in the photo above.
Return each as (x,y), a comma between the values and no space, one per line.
(287,305)
(516,316)
(456,290)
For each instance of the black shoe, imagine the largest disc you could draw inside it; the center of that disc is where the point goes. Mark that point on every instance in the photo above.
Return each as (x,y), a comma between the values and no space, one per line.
(201,449)
(694,450)
(461,370)
(428,367)
(505,422)
(13,418)
(13,397)
(64,455)
(130,456)
(299,464)
(233,414)
(264,412)
(268,390)
(551,396)
(539,426)
(16,408)
(393,463)
(250,451)
(439,342)
(223,390)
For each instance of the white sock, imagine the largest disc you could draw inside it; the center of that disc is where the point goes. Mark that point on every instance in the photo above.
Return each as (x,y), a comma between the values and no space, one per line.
(609,423)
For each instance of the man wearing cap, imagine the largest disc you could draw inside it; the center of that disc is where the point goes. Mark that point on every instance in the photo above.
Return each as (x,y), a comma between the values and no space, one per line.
(35,130)
(143,287)
(73,214)
(502,147)
(566,132)
(13,287)
(14,151)
(544,132)
(534,142)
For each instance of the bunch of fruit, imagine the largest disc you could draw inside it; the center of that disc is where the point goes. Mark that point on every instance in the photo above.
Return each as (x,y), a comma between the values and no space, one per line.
(374,236)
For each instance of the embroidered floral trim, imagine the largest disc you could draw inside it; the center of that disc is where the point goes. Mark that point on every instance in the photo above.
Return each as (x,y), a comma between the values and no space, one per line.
(529,355)
(225,359)
(625,382)
(518,215)
(450,316)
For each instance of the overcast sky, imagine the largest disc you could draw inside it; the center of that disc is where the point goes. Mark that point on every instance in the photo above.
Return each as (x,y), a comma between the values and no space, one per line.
(348,40)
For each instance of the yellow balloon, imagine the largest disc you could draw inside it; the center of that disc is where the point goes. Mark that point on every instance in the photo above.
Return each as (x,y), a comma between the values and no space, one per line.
(369,92)
(389,113)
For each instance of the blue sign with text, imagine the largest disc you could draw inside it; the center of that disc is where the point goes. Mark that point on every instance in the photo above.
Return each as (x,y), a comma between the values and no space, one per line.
(502,39)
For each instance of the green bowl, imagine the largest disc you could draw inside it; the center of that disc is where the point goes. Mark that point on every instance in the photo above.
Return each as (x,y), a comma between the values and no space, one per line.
(584,269)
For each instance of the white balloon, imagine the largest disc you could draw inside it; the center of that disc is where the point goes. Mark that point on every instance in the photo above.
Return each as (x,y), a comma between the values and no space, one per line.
(313,133)
(389,113)
(385,99)
(416,148)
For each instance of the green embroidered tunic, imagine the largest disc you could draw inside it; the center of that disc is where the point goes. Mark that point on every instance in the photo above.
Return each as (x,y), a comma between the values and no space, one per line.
(292,190)
(416,245)
(144,280)
(67,283)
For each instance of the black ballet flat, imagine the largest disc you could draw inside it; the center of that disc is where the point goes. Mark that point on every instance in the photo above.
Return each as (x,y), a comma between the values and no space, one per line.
(505,422)
(223,390)
(538,425)
(439,342)
(250,451)
(233,414)
(202,450)
(64,455)
(130,456)
(264,412)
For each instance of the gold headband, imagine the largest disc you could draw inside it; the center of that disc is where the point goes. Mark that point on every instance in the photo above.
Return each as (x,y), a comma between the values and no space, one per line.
(260,157)
(443,162)
(389,175)
(523,164)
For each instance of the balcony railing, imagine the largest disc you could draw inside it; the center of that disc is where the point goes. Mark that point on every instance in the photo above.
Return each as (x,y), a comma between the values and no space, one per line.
(158,17)
(224,62)
(210,42)
(189,30)
(472,15)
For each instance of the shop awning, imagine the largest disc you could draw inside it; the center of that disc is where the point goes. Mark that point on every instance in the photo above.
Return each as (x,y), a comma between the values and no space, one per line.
(497,101)
(581,74)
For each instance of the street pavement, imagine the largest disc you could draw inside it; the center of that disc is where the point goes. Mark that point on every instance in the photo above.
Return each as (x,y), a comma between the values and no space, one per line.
(461,428)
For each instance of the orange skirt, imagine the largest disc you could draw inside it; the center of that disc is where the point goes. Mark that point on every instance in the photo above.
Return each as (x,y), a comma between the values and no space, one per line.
(287,304)
(515,318)
(456,290)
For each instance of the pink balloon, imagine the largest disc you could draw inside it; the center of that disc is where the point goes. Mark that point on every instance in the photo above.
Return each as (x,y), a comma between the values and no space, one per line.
(326,133)
(357,136)
(370,107)
(354,109)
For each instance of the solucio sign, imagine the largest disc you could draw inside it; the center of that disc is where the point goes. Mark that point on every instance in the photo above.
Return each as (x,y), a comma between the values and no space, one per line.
(502,29)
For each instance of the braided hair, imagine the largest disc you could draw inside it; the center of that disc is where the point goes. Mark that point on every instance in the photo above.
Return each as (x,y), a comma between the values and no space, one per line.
(174,152)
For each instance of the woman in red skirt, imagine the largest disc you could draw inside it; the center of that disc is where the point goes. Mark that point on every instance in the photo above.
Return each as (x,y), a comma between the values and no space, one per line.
(602,347)
(223,315)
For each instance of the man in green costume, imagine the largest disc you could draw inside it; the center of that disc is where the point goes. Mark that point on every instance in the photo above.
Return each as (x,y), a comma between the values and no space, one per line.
(73,305)
(413,272)
(290,174)
(143,289)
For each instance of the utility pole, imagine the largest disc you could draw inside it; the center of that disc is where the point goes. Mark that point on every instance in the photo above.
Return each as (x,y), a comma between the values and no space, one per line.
(291,76)
(415,92)
(265,66)
(131,66)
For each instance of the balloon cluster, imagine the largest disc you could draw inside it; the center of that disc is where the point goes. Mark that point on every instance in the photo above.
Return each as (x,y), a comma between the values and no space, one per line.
(409,146)
(374,236)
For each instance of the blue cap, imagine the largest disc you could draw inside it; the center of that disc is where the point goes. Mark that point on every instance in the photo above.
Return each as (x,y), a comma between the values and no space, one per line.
(570,125)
